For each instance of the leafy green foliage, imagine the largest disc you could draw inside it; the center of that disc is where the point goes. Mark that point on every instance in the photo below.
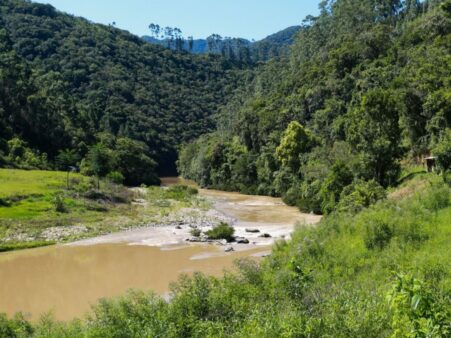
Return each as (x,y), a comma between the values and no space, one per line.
(360,194)
(196,232)
(374,130)
(115,177)
(443,152)
(378,234)
(133,163)
(20,155)
(338,178)
(295,141)
(63,80)
(367,82)
(58,202)
(416,310)
(221,231)
(180,192)
(100,160)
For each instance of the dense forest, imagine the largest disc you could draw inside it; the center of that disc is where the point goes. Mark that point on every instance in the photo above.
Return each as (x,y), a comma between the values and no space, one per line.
(70,87)
(365,87)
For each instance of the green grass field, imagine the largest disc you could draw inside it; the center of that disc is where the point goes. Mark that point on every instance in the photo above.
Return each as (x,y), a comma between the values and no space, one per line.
(27,195)
(24,183)
(29,202)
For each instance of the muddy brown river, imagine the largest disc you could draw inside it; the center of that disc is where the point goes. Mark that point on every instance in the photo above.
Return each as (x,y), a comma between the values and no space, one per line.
(67,280)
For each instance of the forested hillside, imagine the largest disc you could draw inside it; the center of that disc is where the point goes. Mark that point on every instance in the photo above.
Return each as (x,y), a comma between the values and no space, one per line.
(67,84)
(274,45)
(366,86)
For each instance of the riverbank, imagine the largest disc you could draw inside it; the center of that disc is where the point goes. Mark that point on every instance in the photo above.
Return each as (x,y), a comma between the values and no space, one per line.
(42,208)
(39,208)
(257,221)
(148,256)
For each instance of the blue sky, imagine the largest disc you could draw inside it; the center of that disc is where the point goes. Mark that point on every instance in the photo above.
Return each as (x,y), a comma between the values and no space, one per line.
(199,18)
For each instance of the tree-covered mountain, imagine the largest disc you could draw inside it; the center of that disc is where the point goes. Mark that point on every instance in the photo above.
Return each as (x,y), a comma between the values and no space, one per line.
(366,85)
(272,46)
(275,45)
(68,84)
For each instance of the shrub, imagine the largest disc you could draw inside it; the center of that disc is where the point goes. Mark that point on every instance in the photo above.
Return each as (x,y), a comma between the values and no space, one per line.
(378,234)
(436,198)
(339,177)
(94,194)
(66,158)
(93,206)
(221,231)
(180,192)
(310,199)
(292,196)
(16,327)
(58,203)
(359,195)
(121,195)
(4,202)
(195,232)
(412,230)
(134,163)
(416,310)
(443,152)
(115,177)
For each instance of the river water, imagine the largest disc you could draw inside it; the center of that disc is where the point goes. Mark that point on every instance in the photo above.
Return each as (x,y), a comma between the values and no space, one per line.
(67,280)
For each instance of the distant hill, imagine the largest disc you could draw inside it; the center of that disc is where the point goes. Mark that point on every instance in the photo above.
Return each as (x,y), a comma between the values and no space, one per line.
(65,82)
(200,46)
(275,44)
(262,50)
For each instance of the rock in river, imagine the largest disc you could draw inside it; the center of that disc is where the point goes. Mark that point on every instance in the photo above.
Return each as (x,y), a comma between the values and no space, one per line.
(241,240)
(254,231)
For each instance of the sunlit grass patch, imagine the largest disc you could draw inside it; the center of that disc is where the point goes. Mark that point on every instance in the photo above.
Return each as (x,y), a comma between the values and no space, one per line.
(24,183)
(33,201)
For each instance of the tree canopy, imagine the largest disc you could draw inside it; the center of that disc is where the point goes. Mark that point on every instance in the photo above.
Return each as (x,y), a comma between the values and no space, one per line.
(370,82)
(64,80)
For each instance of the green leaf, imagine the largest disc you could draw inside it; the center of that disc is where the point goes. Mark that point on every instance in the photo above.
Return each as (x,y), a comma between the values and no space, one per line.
(416,299)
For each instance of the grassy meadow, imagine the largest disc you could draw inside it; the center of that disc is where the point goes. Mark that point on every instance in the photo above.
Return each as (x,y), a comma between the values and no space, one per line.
(38,208)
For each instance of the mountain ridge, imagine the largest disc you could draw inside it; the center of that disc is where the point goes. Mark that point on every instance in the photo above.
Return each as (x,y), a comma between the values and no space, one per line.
(262,50)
